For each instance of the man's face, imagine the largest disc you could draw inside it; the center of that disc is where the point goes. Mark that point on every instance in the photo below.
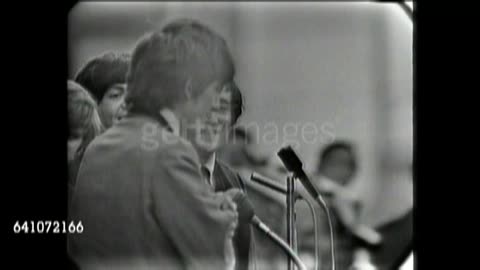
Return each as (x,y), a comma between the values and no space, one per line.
(211,131)
(339,166)
(112,106)
(199,107)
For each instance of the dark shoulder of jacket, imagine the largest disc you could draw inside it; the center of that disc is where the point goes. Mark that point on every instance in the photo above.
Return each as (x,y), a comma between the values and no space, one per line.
(232,173)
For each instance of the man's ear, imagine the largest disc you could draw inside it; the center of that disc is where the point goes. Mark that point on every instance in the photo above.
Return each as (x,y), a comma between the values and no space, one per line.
(188,89)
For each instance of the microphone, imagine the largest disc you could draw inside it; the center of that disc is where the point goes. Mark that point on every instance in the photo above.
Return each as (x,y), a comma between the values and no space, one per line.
(247,215)
(269,183)
(294,165)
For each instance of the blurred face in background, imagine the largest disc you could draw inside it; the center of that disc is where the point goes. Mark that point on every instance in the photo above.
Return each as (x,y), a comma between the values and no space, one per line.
(83,119)
(339,166)
(112,106)
(211,131)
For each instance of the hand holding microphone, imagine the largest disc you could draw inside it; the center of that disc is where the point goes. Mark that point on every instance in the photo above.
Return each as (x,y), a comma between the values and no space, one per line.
(228,204)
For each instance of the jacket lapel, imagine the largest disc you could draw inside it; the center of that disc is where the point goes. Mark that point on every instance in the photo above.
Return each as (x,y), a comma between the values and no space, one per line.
(220,179)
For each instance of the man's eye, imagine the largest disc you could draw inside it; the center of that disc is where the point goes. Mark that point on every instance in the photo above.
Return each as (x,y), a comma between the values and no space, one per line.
(115,95)
(220,88)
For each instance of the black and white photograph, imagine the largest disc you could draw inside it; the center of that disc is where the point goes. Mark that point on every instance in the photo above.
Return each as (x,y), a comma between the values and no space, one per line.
(240,136)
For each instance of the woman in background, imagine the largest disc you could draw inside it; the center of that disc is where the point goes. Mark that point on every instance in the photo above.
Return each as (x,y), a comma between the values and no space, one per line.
(84,125)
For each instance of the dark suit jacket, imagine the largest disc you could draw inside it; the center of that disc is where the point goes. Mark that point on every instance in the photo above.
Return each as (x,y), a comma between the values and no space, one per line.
(397,242)
(224,179)
(143,204)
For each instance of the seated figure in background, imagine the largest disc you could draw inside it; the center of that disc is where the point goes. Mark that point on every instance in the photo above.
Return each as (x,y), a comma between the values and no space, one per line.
(334,173)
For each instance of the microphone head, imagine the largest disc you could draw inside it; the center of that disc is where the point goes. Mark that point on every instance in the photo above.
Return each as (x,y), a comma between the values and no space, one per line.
(290,159)
(244,208)
(293,164)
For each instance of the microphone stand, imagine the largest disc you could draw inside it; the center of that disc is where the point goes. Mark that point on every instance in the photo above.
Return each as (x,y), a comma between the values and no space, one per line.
(291,215)
(292,197)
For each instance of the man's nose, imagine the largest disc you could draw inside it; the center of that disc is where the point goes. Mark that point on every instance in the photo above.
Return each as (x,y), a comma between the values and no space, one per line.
(123,105)
(122,109)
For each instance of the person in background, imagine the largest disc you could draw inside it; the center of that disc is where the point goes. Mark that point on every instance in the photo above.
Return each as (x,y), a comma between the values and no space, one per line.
(207,137)
(336,170)
(104,77)
(139,193)
(84,124)
(103,80)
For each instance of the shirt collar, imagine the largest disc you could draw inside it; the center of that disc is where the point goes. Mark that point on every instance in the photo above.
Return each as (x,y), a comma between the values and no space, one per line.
(210,164)
(171,120)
